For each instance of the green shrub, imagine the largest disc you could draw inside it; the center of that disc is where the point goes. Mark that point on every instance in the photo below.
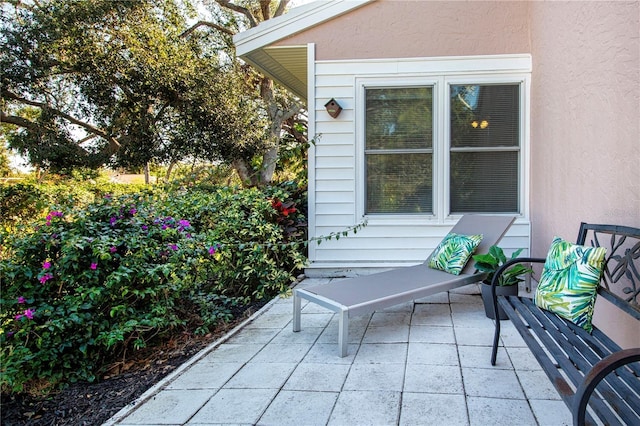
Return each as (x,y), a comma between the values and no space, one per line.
(23,201)
(20,202)
(84,286)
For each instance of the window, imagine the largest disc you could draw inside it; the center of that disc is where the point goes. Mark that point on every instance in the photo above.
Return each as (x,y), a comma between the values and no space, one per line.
(467,161)
(399,150)
(484,148)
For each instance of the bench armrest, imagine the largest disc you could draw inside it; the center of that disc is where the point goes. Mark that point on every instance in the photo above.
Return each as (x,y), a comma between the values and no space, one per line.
(595,376)
(500,271)
(512,262)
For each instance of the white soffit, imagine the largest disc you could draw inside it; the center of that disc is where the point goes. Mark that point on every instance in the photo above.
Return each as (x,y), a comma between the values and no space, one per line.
(288,64)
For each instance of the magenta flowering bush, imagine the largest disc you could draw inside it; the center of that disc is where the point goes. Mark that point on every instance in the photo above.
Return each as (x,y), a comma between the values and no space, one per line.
(85,287)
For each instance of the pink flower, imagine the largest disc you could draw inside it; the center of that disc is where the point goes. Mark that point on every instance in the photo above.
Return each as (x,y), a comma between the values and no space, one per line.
(21,300)
(94,266)
(173,247)
(45,278)
(212,250)
(46,265)
(113,249)
(27,313)
(51,215)
(133,211)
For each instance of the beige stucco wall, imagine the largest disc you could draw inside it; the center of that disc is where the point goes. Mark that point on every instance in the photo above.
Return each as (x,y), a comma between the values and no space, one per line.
(585,124)
(397,29)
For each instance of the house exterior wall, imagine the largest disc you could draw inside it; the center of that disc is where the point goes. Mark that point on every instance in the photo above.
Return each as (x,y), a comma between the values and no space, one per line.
(585,116)
(346,48)
(585,126)
(406,29)
(336,175)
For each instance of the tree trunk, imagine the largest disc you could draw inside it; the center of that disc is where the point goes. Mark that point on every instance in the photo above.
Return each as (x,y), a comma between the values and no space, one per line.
(147,176)
(276,114)
(169,170)
(269,161)
(244,171)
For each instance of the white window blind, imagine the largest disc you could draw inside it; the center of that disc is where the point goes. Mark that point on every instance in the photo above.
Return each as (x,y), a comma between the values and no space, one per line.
(399,150)
(484,148)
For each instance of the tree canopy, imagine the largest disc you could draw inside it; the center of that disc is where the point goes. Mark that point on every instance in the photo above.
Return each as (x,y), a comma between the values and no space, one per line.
(94,82)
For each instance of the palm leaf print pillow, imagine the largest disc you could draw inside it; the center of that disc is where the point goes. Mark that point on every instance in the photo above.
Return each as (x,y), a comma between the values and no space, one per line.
(569,281)
(453,252)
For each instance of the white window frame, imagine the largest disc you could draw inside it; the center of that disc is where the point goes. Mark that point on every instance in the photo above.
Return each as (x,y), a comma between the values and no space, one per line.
(382,83)
(441,74)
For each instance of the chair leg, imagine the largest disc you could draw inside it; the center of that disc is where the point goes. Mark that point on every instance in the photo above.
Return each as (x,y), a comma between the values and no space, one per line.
(297,305)
(343,333)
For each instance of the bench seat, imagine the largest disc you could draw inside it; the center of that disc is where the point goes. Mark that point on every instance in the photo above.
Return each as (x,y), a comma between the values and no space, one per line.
(594,376)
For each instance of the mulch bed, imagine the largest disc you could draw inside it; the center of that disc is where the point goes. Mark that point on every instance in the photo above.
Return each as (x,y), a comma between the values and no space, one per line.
(95,403)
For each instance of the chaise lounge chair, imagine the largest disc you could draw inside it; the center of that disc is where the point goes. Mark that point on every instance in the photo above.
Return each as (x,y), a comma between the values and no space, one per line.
(364,294)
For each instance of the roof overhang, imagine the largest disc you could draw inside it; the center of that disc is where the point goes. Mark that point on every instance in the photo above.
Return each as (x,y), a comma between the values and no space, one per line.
(288,64)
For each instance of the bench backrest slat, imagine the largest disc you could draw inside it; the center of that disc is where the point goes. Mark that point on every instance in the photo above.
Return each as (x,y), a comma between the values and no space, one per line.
(620,282)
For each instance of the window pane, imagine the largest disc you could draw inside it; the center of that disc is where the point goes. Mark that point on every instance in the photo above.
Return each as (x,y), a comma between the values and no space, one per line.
(485,116)
(399,183)
(399,118)
(485,141)
(484,182)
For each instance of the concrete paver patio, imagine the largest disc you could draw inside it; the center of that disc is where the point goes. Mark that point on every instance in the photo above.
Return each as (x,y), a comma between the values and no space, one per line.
(421,363)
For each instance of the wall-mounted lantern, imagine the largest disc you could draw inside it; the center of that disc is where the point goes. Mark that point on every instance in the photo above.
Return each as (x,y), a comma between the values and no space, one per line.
(333,108)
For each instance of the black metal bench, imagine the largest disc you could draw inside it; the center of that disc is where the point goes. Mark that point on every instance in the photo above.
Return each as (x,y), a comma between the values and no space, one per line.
(593,375)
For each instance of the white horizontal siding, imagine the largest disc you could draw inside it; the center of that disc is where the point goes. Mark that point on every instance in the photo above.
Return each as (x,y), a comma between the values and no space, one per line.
(389,243)
(364,256)
(391,249)
(335,185)
(331,162)
(426,235)
(335,221)
(385,242)
(343,150)
(334,208)
(335,138)
(323,94)
(335,173)
(328,198)
(324,127)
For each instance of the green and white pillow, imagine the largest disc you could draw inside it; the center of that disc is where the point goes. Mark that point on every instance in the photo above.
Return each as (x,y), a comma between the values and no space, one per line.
(569,281)
(453,252)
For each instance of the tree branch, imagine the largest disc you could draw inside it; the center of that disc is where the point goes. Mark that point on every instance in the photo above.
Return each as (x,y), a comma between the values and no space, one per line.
(243,10)
(264,8)
(291,111)
(206,24)
(17,121)
(88,127)
(281,8)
